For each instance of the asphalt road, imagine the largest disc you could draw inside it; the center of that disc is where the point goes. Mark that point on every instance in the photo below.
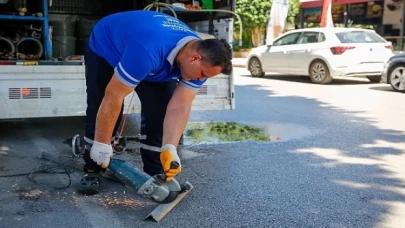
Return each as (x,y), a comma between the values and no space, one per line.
(336,160)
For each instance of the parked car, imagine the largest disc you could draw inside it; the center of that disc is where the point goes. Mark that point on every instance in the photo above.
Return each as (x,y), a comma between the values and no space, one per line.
(394,72)
(322,54)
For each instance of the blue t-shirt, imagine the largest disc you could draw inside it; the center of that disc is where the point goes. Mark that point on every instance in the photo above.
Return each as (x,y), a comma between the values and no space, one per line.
(142,45)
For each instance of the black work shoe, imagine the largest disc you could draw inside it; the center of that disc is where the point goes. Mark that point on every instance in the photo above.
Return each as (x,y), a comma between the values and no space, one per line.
(90,184)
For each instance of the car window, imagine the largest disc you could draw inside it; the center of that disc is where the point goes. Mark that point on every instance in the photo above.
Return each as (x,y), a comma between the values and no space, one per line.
(359,37)
(288,39)
(309,37)
(322,37)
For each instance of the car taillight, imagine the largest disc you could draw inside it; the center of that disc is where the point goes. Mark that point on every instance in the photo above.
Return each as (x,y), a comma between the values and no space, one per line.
(390,47)
(340,50)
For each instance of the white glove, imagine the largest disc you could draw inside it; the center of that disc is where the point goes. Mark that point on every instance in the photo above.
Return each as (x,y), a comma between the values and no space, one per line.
(168,156)
(101,153)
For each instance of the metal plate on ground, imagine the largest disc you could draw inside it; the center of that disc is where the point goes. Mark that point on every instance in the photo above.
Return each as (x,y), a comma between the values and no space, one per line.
(163,209)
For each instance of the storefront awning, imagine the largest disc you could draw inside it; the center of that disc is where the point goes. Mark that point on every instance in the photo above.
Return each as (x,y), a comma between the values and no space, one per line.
(319,3)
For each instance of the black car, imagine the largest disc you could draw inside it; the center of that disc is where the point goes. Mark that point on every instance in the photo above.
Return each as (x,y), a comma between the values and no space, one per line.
(394,72)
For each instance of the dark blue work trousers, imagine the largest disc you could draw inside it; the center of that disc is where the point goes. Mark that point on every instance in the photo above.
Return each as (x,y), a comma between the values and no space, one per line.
(154,97)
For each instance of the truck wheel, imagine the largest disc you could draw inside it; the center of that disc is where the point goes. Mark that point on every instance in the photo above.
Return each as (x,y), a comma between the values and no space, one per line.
(396,78)
(255,67)
(374,79)
(319,72)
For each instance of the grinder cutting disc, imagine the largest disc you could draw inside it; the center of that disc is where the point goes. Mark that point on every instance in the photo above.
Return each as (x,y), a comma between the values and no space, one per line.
(171,197)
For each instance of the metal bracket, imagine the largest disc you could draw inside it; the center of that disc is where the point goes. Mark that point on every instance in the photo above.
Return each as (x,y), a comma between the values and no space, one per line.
(36,35)
(35,29)
(163,209)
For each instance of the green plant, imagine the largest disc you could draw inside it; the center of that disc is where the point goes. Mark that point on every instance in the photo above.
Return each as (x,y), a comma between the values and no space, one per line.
(225,132)
(236,47)
(293,11)
(255,16)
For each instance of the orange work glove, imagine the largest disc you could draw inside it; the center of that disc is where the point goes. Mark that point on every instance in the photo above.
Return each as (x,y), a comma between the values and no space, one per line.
(170,161)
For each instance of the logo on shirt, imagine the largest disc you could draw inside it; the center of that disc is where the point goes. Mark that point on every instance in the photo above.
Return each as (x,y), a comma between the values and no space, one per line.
(173,23)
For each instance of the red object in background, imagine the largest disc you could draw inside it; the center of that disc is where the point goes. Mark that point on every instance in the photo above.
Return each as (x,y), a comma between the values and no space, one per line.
(390,47)
(326,18)
(340,50)
(312,4)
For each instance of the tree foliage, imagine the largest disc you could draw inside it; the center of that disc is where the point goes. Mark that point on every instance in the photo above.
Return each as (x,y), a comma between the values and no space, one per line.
(293,11)
(255,15)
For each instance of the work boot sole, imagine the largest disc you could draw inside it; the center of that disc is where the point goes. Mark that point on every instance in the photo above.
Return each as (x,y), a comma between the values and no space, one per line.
(90,184)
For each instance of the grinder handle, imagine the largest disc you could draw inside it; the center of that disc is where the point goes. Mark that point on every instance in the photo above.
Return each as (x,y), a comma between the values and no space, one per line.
(174,165)
(162,177)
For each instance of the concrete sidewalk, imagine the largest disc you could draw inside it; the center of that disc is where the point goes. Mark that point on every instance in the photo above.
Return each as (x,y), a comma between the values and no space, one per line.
(239,62)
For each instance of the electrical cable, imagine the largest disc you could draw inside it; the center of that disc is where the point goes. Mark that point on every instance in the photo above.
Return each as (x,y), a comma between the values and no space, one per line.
(15,175)
(48,168)
(125,116)
(66,169)
(56,170)
(18,174)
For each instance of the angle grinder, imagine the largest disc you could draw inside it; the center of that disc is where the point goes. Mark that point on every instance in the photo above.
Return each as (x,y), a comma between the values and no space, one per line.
(154,187)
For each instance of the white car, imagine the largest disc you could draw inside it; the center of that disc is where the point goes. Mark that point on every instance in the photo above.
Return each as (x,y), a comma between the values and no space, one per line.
(322,54)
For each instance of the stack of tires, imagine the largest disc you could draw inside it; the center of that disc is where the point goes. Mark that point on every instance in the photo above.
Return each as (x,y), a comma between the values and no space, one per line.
(63,38)
(83,31)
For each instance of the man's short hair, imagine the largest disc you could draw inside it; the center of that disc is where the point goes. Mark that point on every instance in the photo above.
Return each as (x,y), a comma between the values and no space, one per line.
(216,52)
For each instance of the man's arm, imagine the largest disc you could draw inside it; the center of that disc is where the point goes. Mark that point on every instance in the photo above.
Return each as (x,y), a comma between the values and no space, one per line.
(127,75)
(110,109)
(177,114)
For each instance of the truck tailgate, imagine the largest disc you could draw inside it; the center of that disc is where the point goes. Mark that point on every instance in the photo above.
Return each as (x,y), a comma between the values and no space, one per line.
(55,91)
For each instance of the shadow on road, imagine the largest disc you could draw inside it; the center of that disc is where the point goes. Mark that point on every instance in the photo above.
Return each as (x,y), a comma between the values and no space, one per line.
(306,79)
(347,174)
(384,88)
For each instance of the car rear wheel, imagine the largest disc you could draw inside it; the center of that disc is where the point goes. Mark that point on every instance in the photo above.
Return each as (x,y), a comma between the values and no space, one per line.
(397,78)
(255,67)
(374,79)
(319,72)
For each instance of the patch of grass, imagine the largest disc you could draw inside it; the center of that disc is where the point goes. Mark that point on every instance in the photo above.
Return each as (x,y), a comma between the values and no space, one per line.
(225,132)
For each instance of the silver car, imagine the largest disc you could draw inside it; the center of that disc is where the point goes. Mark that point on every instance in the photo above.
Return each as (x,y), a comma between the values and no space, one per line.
(394,72)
